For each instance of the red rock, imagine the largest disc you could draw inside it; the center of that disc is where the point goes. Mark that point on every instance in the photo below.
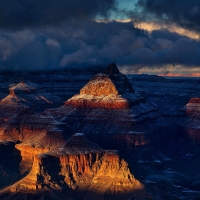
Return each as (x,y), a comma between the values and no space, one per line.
(83,165)
(195,100)
(189,127)
(193,106)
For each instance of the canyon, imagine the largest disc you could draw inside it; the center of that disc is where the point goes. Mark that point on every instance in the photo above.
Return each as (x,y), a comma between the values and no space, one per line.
(98,134)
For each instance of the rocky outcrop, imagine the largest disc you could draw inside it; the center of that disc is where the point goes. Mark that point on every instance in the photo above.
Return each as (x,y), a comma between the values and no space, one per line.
(81,165)
(193,106)
(188,126)
(18,92)
(100,92)
(28,94)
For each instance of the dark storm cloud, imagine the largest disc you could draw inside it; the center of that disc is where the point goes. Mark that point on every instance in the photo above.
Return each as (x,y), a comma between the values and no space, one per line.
(185,13)
(72,39)
(14,13)
(81,44)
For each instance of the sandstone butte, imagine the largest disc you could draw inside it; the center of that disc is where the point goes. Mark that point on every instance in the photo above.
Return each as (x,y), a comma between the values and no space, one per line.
(189,126)
(193,106)
(79,165)
(99,92)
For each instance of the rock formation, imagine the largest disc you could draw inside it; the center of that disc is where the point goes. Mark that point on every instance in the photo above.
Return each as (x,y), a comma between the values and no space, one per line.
(193,106)
(99,85)
(188,126)
(28,94)
(100,92)
(39,161)
(79,165)
(19,121)
(120,80)
(105,114)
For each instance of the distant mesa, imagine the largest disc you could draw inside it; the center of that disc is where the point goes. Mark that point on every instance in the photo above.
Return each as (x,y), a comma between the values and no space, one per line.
(23,87)
(193,106)
(195,100)
(28,94)
(17,90)
(180,74)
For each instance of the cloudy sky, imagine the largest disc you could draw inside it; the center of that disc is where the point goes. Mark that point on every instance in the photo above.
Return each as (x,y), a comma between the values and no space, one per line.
(141,36)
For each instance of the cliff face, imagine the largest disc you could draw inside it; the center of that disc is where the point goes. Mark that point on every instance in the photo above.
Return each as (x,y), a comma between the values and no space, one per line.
(81,165)
(120,80)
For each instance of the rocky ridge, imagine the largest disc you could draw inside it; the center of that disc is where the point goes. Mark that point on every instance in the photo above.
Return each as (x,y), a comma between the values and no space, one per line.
(28,94)
(80,165)
(193,106)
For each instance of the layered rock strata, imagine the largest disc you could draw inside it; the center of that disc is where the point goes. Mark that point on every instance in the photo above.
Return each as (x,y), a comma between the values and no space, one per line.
(80,165)
(193,106)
